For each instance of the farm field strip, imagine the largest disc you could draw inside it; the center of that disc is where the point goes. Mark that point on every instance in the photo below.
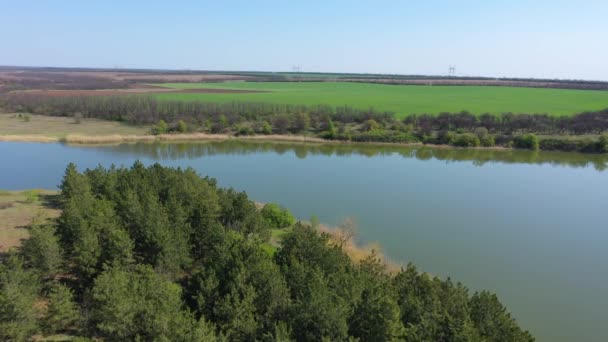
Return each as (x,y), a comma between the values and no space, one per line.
(402,100)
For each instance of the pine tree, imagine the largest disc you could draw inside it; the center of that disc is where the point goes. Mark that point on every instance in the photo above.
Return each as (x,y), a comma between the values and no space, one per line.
(62,312)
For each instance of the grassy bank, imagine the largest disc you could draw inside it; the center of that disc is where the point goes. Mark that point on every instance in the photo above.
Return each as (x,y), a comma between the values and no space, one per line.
(18,209)
(31,125)
(39,128)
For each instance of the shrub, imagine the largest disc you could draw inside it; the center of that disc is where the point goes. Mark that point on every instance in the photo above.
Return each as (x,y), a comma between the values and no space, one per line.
(266,128)
(182,127)
(223,120)
(481,132)
(399,126)
(569,144)
(446,137)
(528,141)
(488,141)
(371,125)
(277,216)
(563,144)
(281,123)
(160,128)
(602,144)
(301,122)
(384,136)
(244,130)
(467,140)
(331,129)
(221,125)
(31,196)
(208,126)
(404,138)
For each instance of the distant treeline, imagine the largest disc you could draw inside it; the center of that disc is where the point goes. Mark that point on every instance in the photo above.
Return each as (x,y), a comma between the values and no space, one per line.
(341,123)
(427,80)
(498,82)
(161,254)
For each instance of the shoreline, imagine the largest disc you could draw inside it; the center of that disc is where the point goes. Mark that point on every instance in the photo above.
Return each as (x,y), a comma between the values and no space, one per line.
(90,132)
(204,137)
(343,233)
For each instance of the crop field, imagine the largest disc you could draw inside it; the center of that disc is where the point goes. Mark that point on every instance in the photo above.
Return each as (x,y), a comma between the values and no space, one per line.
(402,100)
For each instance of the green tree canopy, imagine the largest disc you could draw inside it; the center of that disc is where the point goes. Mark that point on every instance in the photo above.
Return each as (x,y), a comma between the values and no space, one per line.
(19,289)
(277,216)
(62,311)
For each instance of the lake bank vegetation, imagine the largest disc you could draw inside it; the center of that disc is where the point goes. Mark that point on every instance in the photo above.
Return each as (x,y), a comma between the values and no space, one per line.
(154,253)
(584,132)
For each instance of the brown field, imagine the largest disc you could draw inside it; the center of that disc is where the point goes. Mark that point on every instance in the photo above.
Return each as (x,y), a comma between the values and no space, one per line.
(105,82)
(15,75)
(162,77)
(133,89)
(17,211)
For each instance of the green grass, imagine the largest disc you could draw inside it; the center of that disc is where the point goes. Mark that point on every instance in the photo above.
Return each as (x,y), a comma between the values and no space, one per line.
(404,100)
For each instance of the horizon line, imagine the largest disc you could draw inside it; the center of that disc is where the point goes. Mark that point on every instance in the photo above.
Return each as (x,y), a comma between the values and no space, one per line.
(219,71)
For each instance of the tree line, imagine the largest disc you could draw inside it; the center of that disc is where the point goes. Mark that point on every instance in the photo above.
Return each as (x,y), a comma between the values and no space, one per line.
(339,123)
(161,254)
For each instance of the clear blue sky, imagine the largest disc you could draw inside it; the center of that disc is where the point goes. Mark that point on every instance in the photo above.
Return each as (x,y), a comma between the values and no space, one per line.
(523,38)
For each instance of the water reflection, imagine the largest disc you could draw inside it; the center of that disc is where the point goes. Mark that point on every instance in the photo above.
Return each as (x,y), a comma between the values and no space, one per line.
(193,150)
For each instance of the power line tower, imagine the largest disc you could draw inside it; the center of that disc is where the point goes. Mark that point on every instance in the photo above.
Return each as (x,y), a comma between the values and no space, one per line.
(452,70)
(296,69)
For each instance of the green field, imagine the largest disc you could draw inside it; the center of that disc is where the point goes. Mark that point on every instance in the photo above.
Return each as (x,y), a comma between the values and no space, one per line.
(404,100)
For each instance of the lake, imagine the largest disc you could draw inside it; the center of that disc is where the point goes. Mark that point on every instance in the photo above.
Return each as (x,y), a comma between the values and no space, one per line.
(530,226)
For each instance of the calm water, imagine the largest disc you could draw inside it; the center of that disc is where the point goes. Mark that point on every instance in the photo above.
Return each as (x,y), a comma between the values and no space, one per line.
(529,226)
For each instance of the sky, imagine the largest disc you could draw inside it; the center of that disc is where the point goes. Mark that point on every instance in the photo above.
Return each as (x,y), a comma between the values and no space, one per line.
(510,38)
